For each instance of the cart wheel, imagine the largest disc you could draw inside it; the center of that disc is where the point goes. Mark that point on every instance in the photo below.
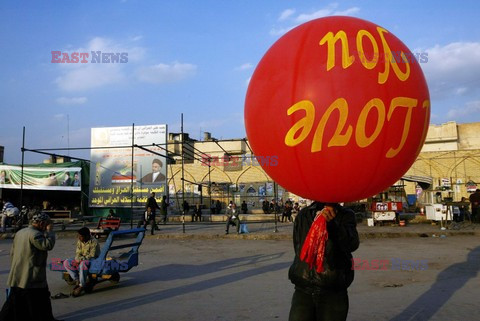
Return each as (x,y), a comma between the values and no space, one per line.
(115,278)
(96,236)
(63,227)
(69,279)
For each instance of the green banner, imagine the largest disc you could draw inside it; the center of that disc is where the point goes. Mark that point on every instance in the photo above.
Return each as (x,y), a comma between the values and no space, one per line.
(41,178)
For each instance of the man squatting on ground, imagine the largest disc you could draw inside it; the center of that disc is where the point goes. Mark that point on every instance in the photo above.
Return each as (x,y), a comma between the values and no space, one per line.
(323,296)
(87,249)
(29,297)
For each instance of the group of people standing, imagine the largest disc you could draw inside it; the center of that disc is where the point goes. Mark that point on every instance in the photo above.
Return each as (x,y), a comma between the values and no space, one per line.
(288,210)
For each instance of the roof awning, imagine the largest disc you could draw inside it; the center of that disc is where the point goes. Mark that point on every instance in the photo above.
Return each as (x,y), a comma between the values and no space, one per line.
(424,181)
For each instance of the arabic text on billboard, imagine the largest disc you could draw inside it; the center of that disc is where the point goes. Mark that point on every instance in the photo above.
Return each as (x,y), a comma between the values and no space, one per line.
(111,174)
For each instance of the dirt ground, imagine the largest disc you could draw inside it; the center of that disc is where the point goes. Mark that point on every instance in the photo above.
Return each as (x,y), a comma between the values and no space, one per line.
(236,279)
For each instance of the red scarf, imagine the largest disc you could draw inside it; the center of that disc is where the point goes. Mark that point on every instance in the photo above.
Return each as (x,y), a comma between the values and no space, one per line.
(313,249)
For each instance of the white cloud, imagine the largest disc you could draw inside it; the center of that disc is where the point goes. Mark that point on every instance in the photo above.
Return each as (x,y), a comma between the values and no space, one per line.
(329,10)
(281,31)
(453,69)
(325,12)
(90,77)
(86,76)
(286,14)
(163,73)
(245,66)
(348,12)
(136,38)
(471,109)
(71,101)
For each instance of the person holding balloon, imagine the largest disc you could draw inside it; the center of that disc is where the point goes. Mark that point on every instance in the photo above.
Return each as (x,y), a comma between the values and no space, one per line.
(324,236)
(338,102)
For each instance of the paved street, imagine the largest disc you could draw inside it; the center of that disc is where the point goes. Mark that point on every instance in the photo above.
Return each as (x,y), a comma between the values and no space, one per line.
(246,279)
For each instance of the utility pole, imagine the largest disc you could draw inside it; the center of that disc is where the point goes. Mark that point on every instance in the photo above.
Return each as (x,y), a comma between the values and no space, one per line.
(183,177)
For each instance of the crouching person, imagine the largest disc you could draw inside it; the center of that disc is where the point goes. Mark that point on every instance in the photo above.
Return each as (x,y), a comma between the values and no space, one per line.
(87,249)
(233,219)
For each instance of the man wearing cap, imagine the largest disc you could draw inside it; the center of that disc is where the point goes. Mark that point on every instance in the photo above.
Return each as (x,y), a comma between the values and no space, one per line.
(29,297)
(87,249)
(155,176)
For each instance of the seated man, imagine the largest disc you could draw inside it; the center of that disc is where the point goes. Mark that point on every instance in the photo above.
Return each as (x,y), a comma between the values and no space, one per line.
(87,249)
(148,217)
(111,214)
(8,211)
(233,219)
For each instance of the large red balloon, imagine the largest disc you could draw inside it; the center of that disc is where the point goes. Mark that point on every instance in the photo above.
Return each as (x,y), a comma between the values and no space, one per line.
(342,108)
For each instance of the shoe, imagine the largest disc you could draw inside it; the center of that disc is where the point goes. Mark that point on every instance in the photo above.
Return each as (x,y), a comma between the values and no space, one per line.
(151,233)
(59,296)
(78,291)
(226,232)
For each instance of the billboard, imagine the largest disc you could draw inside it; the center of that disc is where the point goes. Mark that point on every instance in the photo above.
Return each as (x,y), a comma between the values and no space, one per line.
(111,173)
(41,178)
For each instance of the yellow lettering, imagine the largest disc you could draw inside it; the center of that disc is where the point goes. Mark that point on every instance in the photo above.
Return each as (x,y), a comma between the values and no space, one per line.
(426,106)
(338,139)
(407,103)
(305,124)
(347,59)
(360,135)
(383,76)
(369,64)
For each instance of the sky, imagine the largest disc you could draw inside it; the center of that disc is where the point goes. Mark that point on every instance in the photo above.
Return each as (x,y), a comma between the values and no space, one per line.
(195,58)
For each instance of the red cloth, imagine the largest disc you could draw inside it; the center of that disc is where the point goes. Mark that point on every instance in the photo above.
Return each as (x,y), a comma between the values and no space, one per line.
(313,249)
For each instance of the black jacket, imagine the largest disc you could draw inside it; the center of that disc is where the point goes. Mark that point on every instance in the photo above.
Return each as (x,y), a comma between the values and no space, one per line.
(342,240)
(152,203)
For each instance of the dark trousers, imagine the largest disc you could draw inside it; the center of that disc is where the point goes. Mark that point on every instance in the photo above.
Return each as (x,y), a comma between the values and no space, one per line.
(164,220)
(475,214)
(288,216)
(322,306)
(27,304)
(235,222)
(153,224)
(196,217)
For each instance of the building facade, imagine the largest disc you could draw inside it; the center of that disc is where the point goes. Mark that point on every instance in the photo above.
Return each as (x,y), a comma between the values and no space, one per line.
(226,169)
